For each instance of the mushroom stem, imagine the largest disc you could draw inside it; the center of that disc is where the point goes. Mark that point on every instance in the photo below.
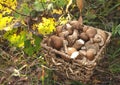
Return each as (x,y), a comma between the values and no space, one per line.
(73,37)
(64,34)
(74,55)
(65,43)
(76,25)
(78,44)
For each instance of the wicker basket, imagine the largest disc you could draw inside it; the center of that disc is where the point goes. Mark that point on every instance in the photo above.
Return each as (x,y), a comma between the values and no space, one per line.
(78,70)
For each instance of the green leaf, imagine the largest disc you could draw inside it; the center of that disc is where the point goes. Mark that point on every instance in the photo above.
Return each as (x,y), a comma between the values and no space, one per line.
(28,48)
(118,29)
(115,68)
(16,15)
(101,1)
(31,47)
(37,42)
(76,83)
(60,3)
(90,15)
(25,9)
(39,6)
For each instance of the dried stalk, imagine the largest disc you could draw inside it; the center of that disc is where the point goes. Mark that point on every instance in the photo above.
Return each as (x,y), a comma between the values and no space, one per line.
(79,4)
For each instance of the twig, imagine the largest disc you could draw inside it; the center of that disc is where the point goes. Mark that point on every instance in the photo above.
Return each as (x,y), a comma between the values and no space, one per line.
(115,61)
(3,71)
(4,52)
(100,70)
(13,9)
(47,67)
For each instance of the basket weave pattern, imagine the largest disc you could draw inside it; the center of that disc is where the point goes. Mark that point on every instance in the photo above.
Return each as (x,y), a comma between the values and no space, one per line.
(79,70)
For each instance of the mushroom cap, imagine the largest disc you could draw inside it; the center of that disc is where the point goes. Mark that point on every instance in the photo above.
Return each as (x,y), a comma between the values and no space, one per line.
(56,42)
(91,32)
(70,50)
(59,29)
(69,28)
(78,44)
(90,54)
(48,41)
(85,28)
(99,39)
(76,25)
(82,52)
(103,34)
(84,36)
(74,55)
(90,45)
(72,38)
(81,41)
(63,34)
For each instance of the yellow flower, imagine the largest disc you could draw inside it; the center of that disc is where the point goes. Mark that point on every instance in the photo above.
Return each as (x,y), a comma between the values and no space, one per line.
(10,3)
(4,21)
(47,26)
(5,10)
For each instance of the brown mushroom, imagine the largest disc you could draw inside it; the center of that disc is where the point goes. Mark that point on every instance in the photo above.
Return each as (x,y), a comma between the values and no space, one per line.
(84,36)
(48,41)
(63,34)
(100,37)
(91,32)
(70,50)
(85,28)
(78,44)
(82,53)
(72,38)
(89,45)
(69,28)
(76,25)
(65,44)
(83,48)
(97,38)
(102,33)
(56,42)
(74,55)
(90,54)
(59,29)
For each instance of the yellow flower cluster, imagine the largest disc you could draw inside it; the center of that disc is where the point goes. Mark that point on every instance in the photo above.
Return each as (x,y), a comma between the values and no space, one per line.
(47,26)
(16,39)
(4,21)
(10,3)
(5,10)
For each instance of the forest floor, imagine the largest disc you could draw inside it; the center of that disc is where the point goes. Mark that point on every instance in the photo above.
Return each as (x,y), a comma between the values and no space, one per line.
(16,68)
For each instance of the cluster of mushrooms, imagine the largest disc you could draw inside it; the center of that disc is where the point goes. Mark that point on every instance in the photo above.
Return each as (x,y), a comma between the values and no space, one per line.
(77,41)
